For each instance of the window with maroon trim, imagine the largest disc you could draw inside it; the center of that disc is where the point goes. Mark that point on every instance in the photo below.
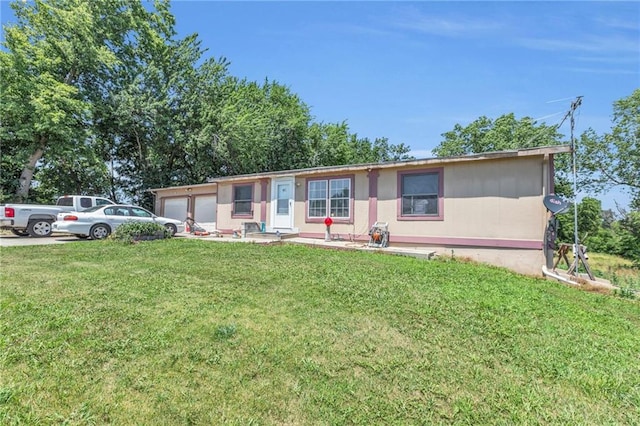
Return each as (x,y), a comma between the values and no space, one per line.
(420,194)
(329,198)
(242,200)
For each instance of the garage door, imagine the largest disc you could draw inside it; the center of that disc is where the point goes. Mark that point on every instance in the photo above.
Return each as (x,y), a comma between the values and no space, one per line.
(175,208)
(205,211)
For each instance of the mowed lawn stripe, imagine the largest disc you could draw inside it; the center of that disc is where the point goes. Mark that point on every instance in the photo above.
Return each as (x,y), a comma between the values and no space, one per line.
(188,331)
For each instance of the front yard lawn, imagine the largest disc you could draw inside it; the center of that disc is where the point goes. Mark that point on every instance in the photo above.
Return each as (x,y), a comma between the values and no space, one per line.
(194,332)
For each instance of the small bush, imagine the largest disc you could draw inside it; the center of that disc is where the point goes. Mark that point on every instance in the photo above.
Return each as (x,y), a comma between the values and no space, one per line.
(130,232)
(628,287)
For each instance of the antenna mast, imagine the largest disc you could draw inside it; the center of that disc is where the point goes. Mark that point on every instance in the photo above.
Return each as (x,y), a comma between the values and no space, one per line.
(576,248)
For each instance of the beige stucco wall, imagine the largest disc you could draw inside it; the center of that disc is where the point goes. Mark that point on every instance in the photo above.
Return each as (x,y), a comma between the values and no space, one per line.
(499,199)
(225,205)
(488,199)
(491,199)
(181,192)
(360,224)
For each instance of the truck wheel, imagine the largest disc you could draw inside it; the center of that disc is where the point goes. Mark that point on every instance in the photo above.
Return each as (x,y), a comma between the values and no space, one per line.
(20,232)
(39,228)
(99,231)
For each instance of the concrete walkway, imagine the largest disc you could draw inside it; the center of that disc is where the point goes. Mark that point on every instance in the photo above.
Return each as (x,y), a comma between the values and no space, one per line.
(419,252)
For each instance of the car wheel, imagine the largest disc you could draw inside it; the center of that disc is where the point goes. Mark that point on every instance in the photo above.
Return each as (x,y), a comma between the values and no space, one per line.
(99,231)
(39,228)
(171,228)
(20,232)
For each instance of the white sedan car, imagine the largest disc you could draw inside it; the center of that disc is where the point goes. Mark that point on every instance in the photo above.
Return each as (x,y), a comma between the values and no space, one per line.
(100,221)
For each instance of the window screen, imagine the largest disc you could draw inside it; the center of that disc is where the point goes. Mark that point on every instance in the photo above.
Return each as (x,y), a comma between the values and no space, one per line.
(420,194)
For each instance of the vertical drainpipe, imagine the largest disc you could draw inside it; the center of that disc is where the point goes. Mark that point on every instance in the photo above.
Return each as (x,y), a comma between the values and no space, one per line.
(551,225)
(552,175)
(373,196)
(157,207)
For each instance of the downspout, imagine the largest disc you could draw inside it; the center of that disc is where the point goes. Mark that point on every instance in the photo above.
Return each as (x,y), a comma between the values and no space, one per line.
(155,202)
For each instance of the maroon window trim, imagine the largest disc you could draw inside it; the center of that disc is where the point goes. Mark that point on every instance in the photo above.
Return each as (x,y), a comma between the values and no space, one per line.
(233,201)
(335,219)
(440,216)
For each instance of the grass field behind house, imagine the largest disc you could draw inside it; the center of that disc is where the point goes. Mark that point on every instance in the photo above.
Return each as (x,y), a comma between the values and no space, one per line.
(610,266)
(195,332)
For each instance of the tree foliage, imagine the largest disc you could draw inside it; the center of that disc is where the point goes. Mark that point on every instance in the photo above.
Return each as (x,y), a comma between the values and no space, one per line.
(506,133)
(102,97)
(57,56)
(501,134)
(613,159)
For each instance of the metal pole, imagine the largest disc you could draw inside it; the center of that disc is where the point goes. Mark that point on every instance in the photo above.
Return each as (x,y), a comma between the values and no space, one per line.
(574,105)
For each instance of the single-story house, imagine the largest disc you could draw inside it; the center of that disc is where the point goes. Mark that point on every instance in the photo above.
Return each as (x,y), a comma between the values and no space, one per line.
(487,207)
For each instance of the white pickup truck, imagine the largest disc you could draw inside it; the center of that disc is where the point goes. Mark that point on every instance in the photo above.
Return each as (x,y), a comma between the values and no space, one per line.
(35,220)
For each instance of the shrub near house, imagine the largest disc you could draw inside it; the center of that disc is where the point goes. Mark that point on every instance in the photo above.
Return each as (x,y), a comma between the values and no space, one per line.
(140,231)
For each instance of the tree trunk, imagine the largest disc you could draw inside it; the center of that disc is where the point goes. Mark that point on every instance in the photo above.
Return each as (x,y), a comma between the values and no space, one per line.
(27,173)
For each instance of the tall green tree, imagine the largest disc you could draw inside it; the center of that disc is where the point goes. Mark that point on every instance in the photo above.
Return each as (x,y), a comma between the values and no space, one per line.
(259,128)
(503,133)
(630,237)
(332,144)
(506,133)
(59,57)
(365,151)
(590,221)
(151,115)
(613,159)
(103,97)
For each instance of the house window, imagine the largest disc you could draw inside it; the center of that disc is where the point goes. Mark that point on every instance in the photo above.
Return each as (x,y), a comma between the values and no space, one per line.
(242,200)
(420,195)
(329,198)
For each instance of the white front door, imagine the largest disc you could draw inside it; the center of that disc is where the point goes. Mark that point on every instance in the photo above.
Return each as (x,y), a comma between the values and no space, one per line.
(282,203)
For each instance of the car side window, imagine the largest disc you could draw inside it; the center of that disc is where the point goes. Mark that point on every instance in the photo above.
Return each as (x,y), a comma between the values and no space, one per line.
(110,211)
(140,212)
(102,202)
(85,202)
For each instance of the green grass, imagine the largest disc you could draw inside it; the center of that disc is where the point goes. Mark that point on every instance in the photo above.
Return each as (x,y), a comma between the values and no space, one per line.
(619,271)
(195,332)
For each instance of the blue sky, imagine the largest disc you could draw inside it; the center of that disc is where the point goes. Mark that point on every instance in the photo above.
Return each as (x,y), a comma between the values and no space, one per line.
(410,71)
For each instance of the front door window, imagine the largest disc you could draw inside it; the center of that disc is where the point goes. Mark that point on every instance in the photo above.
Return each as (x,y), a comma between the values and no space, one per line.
(284,195)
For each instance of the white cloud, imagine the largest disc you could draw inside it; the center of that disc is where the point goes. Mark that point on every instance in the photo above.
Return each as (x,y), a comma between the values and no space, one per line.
(601,44)
(460,26)
(618,24)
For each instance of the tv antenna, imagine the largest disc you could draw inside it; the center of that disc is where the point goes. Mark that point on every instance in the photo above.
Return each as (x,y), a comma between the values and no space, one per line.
(577,249)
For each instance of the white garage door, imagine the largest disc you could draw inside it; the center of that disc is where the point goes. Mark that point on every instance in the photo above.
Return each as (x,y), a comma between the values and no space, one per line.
(205,211)
(175,208)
